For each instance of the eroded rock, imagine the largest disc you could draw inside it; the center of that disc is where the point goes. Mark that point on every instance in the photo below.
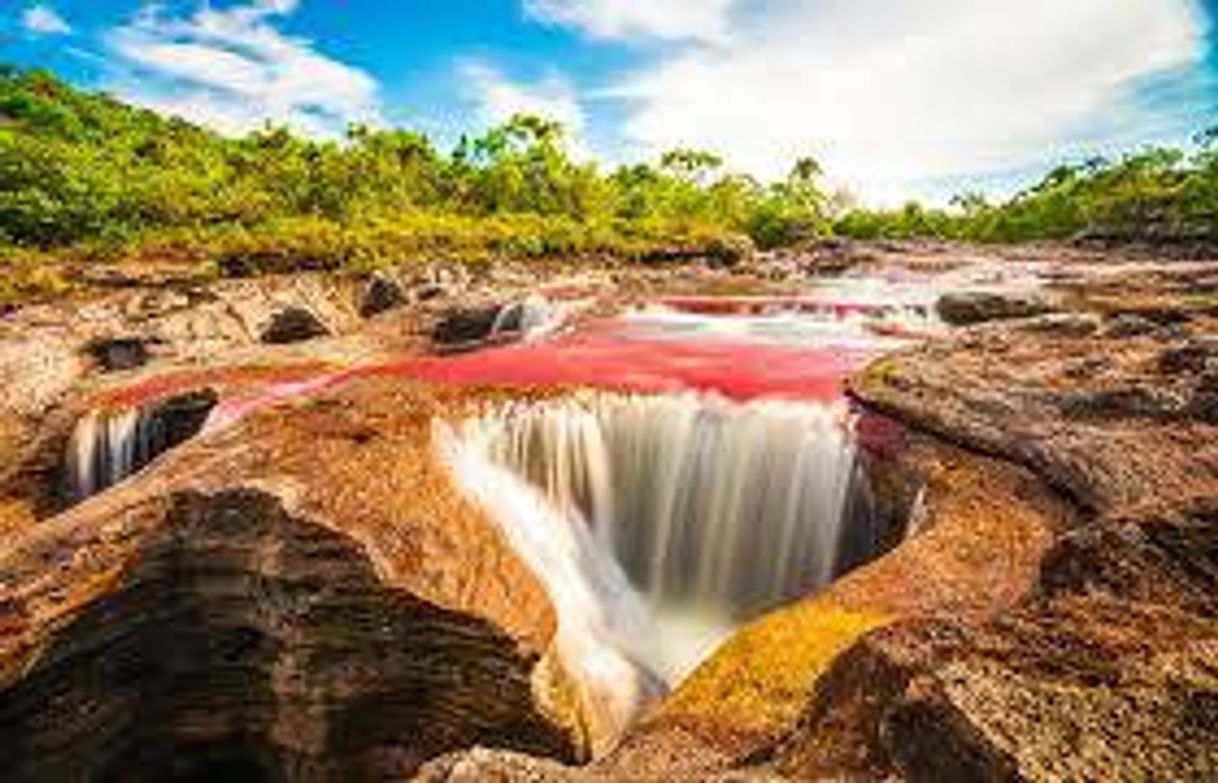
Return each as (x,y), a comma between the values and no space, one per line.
(303,594)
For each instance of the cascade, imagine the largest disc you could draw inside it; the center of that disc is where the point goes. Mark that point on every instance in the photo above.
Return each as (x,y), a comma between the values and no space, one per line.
(603,630)
(715,510)
(532,317)
(110,444)
(106,447)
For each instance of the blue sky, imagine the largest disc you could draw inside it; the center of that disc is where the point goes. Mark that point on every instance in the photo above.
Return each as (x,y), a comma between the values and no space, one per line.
(898,98)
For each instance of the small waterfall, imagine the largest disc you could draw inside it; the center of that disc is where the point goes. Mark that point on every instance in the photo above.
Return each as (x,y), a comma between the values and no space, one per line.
(603,629)
(106,447)
(715,510)
(110,444)
(532,317)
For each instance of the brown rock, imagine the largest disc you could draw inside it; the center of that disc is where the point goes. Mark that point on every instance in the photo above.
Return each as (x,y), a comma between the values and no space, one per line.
(303,595)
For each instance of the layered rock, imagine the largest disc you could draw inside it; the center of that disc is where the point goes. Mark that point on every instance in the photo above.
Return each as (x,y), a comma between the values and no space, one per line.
(302,595)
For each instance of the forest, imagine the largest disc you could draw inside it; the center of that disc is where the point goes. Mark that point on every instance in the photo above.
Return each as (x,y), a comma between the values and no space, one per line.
(85,177)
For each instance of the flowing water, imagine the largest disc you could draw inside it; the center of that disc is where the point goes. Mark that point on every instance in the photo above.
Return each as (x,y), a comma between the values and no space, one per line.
(111,443)
(715,510)
(105,448)
(720,488)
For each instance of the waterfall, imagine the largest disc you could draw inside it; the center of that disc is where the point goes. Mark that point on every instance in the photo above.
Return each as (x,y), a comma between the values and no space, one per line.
(715,510)
(106,447)
(530,318)
(110,444)
(603,630)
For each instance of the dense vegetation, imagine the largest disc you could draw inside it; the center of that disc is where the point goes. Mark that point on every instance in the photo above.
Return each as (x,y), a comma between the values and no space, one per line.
(84,177)
(1155,195)
(85,171)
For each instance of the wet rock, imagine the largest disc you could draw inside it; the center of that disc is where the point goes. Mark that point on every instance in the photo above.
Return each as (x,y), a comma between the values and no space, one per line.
(381,295)
(974,307)
(465,325)
(293,325)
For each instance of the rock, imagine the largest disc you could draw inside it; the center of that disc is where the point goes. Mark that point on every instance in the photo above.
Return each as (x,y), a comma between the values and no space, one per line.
(293,325)
(1129,325)
(303,595)
(1010,403)
(461,326)
(1128,401)
(123,353)
(1103,673)
(974,307)
(1070,326)
(381,295)
(1192,357)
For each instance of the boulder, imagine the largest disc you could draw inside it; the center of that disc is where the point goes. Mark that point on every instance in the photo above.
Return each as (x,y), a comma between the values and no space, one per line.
(293,325)
(381,295)
(974,307)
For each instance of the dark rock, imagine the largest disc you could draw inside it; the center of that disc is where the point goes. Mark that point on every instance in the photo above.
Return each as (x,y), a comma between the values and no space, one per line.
(293,325)
(1192,357)
(464,325)
(1129,325)
(974,307)
(1204,406)
(1069,326)
(381,295)
(1091,367)
(123,353)
(1133,401)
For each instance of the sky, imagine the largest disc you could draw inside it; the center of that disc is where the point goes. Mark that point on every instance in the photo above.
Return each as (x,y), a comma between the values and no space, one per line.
(898,99)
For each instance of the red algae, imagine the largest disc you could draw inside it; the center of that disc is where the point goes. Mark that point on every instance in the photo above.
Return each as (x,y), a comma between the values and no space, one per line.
(736,369)
(160,387)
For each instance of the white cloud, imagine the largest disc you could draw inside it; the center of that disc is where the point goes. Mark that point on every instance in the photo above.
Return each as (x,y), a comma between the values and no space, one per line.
(44,20)
(892,97)
(499,98)
(694,20)
(234,70)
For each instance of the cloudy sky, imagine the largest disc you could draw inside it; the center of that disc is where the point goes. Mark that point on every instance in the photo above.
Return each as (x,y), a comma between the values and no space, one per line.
(897,98)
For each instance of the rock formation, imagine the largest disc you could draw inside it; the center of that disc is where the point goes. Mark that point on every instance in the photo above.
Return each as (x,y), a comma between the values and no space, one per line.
(300,595)
(302,591)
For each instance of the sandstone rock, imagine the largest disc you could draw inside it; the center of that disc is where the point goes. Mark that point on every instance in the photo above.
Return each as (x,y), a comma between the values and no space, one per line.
(1010,403)
(302,595)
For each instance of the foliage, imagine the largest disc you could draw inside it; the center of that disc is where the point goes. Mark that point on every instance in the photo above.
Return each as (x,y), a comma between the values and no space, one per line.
(1156,195)
(84,171)
(86,177)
